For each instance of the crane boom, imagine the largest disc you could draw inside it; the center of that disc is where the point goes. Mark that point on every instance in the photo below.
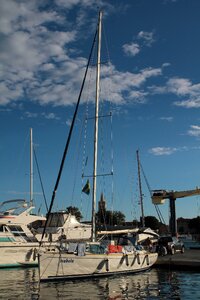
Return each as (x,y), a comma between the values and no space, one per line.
(159,196)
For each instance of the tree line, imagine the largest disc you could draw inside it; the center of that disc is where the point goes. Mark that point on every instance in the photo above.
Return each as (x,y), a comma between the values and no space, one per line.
(113,218)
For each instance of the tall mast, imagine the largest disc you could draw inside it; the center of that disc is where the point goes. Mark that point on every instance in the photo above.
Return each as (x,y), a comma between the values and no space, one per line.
(140,189)
(31,167)
(96,130)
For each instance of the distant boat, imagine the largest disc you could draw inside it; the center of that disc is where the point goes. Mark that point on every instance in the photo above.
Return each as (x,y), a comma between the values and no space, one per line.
(17,241)
(62,225)
(17,222)
(94,258)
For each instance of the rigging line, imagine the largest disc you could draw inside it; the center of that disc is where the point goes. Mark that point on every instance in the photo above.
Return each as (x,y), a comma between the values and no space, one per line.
(102,166)
(68,139)
(159,214)
(132,195)
(112,161)
(38,170)
(85,158)
(102,153)
(85,141)
(150,191)
(145,178)
(77,161)
(106,42)
(111,118)
(107,86)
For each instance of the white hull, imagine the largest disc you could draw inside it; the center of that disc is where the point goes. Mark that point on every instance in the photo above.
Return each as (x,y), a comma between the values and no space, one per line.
(18,255)
(63,266)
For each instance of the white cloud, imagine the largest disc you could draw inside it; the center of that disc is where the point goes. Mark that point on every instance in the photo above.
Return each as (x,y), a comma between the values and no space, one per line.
(158,151)
(164,65)
(70,3)
(131,49)
(182,88)
(38,57)
(31,115)
(127,83)
(9,91)
(138,96)
(29,49)
(50,116)
(147,37)
(190,103)
(23,15)
(194,130)
(169,119)
(179,86)
(144,38)
(68,122)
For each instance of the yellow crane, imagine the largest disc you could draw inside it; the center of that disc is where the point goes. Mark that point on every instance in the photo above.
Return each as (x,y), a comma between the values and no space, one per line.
(159,197)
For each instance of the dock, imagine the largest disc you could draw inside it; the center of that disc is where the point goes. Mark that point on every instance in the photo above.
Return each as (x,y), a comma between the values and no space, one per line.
(189,260)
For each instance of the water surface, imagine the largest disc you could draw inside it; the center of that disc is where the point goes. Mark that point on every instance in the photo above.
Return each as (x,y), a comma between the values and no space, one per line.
(153,284)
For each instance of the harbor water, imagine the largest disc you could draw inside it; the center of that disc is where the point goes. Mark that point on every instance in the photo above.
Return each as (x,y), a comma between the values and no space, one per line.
(153,284)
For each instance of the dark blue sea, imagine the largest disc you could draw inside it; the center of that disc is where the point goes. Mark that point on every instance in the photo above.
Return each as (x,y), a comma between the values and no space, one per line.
(153,284)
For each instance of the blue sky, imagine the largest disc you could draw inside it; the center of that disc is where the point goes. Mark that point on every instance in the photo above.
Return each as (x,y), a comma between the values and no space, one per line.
(152,83)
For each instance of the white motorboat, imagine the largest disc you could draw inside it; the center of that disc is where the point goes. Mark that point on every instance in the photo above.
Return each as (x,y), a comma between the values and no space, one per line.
(17,240)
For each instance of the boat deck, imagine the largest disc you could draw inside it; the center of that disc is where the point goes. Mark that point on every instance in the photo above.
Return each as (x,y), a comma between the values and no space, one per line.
(189,260)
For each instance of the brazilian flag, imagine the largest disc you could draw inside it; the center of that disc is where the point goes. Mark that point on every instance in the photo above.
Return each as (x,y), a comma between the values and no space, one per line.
(86,188)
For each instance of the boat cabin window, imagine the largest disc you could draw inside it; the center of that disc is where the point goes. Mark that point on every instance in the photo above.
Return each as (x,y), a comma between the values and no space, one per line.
(6,213)
(16,230)
(56,220)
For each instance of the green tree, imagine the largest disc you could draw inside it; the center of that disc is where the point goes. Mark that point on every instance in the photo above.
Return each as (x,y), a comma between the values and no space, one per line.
(118,218)
(152,222)
(110,218)
(74,211)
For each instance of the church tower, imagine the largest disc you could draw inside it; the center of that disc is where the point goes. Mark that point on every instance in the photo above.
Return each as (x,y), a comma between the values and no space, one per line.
(102,204)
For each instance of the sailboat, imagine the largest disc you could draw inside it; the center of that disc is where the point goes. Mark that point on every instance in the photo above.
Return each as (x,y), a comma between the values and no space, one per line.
(17,239)
(93,258)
